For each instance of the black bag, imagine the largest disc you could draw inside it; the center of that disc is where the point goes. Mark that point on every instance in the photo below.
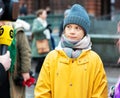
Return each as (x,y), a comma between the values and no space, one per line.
(42,46)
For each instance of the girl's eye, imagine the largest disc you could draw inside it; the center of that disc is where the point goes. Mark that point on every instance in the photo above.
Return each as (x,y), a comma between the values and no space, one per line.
(68,26)
(78,28)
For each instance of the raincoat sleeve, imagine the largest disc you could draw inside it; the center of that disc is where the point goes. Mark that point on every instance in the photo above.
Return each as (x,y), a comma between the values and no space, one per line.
(100,89)
(43,86)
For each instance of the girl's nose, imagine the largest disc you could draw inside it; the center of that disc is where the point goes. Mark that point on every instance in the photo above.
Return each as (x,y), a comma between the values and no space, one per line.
(72,31)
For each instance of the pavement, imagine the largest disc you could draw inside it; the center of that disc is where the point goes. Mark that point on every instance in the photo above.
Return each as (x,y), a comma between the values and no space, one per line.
(112,76)
(113,73)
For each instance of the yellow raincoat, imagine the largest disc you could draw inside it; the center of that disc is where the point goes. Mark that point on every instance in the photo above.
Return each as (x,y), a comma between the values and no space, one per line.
(64,77)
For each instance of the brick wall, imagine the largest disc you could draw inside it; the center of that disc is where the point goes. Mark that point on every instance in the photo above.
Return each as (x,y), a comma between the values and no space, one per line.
(117,5)
(29,3)
(94,7)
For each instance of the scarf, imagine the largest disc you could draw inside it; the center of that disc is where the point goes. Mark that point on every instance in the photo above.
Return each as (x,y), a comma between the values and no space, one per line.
(74,48)
(44,23)
(13,50)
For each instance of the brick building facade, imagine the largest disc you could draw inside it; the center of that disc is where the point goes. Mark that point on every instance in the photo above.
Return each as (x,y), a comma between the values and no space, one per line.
(94,7)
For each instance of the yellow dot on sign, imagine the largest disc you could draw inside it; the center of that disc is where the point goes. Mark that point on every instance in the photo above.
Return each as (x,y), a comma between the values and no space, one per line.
(71,84)
(57,73)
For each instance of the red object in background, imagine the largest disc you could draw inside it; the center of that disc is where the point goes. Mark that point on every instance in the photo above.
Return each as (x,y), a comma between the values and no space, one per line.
(29,82)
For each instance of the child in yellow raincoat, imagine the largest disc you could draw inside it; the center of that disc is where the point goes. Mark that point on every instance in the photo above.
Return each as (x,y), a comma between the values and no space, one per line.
(73,70)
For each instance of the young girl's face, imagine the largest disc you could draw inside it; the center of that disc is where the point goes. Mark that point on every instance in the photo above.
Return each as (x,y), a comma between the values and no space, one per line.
(74,32)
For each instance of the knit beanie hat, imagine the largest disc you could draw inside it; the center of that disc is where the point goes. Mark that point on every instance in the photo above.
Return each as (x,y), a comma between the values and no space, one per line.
(78,15)
(66,12)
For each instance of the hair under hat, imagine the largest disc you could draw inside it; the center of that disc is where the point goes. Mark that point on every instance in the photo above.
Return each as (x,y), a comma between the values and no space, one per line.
(78,15)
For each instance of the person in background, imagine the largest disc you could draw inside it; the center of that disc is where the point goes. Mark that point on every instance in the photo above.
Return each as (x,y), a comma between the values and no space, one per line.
(73,70)
(114,91)
(23,10)
(20,54)
(48,9)
(40,31)
(5,62)
(21,64)
(118,42)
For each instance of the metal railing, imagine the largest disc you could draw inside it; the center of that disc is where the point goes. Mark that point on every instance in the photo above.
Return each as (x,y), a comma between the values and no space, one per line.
(102,32)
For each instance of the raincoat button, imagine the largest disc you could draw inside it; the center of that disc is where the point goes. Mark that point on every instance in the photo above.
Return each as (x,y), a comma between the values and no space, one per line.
(57,73)
(72,61)
(71,84)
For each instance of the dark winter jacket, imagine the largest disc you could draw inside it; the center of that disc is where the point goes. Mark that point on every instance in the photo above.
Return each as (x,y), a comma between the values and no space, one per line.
(4,83)
(2,74)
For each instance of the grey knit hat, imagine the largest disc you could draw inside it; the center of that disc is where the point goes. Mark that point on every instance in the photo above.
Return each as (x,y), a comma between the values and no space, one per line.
(66,12)
(78,15)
